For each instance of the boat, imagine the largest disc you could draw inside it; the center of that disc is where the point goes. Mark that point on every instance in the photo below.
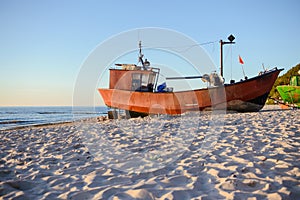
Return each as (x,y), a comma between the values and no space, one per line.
(134,88)
(290,94)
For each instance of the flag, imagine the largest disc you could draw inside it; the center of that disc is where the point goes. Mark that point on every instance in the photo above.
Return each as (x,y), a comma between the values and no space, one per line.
(241,60)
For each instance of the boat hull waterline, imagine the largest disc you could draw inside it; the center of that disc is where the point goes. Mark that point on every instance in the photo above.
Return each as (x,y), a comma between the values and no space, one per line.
(246,96)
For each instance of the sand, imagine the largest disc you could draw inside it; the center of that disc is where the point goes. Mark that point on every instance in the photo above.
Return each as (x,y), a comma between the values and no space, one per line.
(195,156)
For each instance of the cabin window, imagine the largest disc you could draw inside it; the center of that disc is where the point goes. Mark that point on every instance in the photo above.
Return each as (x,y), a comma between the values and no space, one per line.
(151,82)
(145,79)
(152,78)
(136,81)
(143,82)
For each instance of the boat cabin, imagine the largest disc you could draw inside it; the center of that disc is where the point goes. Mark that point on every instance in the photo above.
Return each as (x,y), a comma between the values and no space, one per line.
(133,78)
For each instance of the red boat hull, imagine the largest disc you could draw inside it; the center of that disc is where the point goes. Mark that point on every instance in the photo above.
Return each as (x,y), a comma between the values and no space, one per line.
(245,96)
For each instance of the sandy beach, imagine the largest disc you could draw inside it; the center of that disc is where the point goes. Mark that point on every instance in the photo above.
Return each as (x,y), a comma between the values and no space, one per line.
(196,156)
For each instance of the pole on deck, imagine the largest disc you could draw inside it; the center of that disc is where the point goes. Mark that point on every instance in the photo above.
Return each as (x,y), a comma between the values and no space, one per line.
(230,38)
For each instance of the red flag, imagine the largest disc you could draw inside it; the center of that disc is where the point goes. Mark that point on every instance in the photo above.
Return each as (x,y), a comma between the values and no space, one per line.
(241,60)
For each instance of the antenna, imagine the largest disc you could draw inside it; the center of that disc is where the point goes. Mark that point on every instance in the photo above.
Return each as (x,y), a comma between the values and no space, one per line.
(141,55)
(140,47)
(146,63)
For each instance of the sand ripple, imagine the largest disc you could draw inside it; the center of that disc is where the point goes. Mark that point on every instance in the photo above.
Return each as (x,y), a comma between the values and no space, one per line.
(254,155)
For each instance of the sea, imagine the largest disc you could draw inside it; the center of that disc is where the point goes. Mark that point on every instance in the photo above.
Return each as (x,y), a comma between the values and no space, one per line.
(14,117)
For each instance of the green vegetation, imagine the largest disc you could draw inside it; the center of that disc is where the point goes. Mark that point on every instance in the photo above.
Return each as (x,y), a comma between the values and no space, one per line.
(282,80)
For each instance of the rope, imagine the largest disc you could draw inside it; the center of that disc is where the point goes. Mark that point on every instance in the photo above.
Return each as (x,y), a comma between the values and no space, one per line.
(187,47)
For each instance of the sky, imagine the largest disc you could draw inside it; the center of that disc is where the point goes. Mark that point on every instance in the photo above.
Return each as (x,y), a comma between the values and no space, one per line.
(44,44)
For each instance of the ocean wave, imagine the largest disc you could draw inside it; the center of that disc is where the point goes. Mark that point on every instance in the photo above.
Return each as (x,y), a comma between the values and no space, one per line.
(8,112)
(88,113)
(51,113)
(11,117)
(15,122)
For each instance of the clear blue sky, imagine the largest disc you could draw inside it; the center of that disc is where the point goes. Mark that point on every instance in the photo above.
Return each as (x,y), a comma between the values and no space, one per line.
(44,43)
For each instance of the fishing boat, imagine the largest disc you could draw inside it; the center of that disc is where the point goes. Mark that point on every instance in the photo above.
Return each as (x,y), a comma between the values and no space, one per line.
(290,94)
(134,88)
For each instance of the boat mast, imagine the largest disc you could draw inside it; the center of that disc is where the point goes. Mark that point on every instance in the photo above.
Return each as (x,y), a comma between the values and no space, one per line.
(145,63)
(141,55)
(230,38)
